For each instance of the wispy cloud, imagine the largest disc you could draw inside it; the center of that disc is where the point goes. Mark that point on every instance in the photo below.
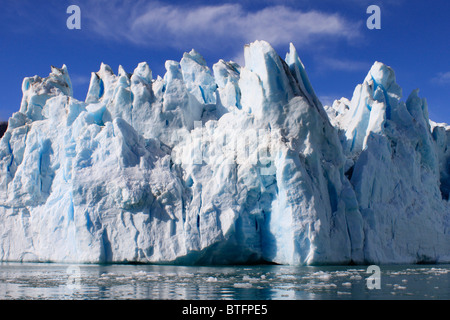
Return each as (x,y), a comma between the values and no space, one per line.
(442,78)
(328,99)
(79,80)
(343,64)
(213,26)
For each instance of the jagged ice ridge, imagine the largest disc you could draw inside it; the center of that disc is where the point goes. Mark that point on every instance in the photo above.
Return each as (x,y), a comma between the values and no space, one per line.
(237,165)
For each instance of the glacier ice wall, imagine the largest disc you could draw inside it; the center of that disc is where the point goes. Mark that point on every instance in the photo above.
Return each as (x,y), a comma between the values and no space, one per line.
(241,164)
(398,164)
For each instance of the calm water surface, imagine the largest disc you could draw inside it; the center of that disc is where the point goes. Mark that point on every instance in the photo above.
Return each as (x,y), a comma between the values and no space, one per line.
(59,281)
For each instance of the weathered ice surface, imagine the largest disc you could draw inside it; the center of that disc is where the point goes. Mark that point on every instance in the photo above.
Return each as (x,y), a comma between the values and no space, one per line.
(241,164)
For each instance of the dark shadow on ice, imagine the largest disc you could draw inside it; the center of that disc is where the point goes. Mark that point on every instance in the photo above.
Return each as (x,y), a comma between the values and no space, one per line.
(3,127)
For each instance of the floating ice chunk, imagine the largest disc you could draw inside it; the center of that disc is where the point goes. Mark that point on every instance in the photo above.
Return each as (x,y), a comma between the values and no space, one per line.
(243,285)
(347,284)
(211,279)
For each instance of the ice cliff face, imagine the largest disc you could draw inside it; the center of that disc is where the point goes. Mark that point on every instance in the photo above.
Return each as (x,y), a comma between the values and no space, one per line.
(238,165)
(398,164)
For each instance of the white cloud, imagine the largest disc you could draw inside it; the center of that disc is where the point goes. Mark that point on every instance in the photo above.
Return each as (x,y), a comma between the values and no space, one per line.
(328,100)
(79,80)
(442,78)
(213,26)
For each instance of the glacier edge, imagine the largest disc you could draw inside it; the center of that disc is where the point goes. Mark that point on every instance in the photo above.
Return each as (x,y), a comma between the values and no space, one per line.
(234,165)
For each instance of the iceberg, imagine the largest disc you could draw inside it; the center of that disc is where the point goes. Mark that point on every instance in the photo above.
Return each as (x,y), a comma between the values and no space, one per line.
(234,165)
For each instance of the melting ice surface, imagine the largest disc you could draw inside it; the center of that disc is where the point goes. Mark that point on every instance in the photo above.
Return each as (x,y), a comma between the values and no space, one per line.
(58,281)
(238,164)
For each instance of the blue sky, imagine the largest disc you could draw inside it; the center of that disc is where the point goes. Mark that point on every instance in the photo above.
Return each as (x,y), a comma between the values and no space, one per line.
(331,37)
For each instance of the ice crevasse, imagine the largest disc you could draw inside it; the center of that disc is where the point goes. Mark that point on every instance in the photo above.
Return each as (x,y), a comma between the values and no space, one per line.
(238,164)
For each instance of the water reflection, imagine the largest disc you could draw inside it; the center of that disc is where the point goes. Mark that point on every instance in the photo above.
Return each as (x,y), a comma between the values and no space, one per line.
(59,281)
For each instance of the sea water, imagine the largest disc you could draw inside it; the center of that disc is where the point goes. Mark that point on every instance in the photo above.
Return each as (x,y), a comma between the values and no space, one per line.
(265,282)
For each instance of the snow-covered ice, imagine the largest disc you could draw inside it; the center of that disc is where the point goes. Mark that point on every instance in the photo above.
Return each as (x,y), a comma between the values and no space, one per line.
(235,165)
